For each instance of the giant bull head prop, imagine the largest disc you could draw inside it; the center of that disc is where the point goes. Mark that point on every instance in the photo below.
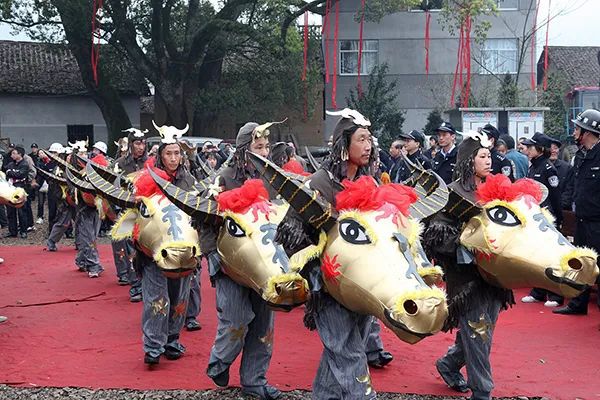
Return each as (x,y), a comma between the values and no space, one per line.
(11,195)
(246,243)
(515,241)
(157,227)
(369,247)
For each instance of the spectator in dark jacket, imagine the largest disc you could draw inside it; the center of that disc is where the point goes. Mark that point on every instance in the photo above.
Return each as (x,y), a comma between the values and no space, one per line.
(17,172)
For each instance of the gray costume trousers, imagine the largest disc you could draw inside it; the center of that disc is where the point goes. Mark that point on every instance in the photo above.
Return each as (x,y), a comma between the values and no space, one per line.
(165,304)
(64,216)
(245,325)
(374,344)
(473,345)
(123,255)
(87,225)
(343,371)
(193,309)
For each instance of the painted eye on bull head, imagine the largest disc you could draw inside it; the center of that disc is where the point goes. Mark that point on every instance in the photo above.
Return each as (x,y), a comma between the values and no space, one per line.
(144,210)
(233,228)
(503,216)
(353,232)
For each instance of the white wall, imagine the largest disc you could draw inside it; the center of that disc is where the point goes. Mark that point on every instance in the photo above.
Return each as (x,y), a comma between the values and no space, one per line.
(44,119)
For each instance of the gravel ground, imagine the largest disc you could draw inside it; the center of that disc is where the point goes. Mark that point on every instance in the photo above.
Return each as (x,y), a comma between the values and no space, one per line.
(38,237)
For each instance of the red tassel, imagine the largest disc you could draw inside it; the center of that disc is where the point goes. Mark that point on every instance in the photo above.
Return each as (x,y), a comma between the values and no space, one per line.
(360,47)
(427,39)
(95,53)
(546,48)
(305,46)
(335,55)
(327,31)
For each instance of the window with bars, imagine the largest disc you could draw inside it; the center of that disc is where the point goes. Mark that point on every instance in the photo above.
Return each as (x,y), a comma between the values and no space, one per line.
(499,56)
(349,56)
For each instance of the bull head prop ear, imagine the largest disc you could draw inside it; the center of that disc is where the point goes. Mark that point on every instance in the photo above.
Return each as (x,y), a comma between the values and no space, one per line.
(206,210)
(80,184)
(431,189)
(64,164)
(116,195)
(307,202)
(312,160)
(51,177)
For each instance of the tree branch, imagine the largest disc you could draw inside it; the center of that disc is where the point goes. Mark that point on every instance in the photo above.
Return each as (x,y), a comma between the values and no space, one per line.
(303,6)
(166,26)
(29,25)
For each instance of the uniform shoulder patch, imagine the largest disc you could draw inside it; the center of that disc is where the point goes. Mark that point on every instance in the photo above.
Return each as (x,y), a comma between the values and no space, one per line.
(553,181)
(506,170)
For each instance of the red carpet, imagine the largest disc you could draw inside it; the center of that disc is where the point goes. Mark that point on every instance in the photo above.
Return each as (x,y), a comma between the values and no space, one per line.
(65,329)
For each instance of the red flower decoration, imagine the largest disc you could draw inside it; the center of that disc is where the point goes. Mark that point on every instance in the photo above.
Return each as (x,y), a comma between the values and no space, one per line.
(329,267)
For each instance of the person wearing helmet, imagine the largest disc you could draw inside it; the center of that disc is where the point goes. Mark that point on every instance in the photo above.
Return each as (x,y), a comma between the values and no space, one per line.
(445,159)
(583,196)
(99,148)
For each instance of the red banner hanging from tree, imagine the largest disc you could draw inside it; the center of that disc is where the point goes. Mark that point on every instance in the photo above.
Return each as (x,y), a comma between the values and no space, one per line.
(427,40)
(546,51)
(462,72)
(95,53)
(326,30)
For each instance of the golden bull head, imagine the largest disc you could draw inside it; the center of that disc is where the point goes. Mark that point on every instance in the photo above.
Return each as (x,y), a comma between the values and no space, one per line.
(371,258)
(246,244)
(11,195)
(517,245)
(158,228)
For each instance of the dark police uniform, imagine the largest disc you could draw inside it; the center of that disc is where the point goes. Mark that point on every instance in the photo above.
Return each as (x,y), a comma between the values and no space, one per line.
(443,164)
(502,165)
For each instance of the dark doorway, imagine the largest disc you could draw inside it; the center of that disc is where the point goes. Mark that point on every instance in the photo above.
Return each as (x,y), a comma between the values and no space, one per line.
(80,132)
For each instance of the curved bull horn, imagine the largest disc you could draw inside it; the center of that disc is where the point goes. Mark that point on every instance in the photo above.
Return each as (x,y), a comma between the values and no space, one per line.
(311,159)
(51,177)
(65,164)
(119,196)
(207,209)
(80,184)
(109,175)
(312,208)
(431,189)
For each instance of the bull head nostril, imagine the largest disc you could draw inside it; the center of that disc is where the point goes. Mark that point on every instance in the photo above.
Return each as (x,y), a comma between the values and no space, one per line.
(278,289)
(411,307)
(193,251)
(164,253)
(575,263)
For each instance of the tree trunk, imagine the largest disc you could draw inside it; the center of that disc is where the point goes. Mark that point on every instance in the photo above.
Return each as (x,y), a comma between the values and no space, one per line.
(77,25)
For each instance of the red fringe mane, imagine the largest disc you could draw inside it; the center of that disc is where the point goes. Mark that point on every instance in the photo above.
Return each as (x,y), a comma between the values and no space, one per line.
(241,199)
(145,185)
(499,187)
(100,160)
(364,195)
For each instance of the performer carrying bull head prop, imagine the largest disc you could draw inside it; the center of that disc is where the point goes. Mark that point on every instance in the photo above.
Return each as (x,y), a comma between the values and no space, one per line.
(250,271)
(493,237)
(366,253)
(11,195)
(166,243)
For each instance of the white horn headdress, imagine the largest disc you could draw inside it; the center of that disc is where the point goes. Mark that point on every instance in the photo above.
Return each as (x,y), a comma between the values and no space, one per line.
(170,134)
(354,115)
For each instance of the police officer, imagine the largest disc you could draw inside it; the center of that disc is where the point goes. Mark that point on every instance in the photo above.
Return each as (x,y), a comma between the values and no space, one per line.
(413,145)
(542,170)
(445,159)
(562,167)
(499,163)
(585,199)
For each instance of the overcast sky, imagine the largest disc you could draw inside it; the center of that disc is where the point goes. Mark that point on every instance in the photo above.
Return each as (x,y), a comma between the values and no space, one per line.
(573,24)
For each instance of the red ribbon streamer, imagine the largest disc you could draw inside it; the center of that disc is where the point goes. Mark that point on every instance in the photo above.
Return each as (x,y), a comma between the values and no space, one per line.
(546,48)
(335,53)
(95,53)
(427,39)
(462,72)
(533,43)
(305,46)
(327,30)
(467,63)
(360,47)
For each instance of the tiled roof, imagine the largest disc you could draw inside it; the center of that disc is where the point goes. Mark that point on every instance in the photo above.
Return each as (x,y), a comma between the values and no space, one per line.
(45,68)
(580,65)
